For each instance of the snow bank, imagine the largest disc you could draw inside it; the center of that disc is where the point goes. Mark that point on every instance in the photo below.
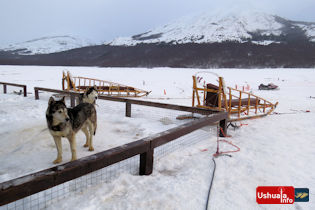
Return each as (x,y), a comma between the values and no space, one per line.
(275,150)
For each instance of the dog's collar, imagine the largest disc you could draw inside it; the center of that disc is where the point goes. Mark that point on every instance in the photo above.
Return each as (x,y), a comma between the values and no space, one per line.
(59,127)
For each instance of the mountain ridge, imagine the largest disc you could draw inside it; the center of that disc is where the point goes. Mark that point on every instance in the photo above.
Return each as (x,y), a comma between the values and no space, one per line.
(262,41)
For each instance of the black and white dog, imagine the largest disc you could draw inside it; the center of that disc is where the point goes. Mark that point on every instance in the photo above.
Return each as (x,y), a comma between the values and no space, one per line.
(66,122)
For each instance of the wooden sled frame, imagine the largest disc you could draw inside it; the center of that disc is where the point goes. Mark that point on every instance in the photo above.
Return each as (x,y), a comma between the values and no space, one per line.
(80,84)
(240,105)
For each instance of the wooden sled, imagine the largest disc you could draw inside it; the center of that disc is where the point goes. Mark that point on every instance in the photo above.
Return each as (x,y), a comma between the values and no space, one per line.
(80,84)
(240,105)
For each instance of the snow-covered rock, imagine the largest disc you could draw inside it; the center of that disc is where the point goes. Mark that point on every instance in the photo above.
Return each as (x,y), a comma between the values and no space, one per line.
(46,45)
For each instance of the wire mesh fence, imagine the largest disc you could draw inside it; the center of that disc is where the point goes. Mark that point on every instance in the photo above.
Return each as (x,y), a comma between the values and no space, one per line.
(167,119)
(48,197)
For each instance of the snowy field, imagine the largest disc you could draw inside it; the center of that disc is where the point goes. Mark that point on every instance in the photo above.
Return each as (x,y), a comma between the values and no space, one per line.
(276,150)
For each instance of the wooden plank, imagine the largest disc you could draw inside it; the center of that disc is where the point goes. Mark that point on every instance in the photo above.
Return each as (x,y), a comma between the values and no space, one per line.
(146,162)
(230,100)
(72,100)
(25,91)
(239,105)
(30,184)
(5,84)
(139,102)
(223,128)
(248,104)
(36,94)
(4,88)
(174,133)
(128,109)
(12,84)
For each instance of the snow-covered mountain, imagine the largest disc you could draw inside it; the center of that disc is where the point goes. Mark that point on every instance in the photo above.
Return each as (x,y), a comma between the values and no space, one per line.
(257,27)
(46,45)
(207,40)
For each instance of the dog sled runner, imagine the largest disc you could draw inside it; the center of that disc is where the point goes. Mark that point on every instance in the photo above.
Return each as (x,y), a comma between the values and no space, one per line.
(240,105)
(80,84)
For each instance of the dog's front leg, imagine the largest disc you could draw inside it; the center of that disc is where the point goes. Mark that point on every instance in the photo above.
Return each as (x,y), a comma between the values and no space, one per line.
(59,149)
(73,147)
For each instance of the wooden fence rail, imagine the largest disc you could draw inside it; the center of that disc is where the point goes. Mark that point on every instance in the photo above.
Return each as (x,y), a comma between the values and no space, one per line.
(129,102)
(33,183)
(5,84)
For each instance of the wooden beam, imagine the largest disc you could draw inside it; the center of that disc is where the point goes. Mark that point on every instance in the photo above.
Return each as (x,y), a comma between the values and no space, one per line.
(72,100)
(5,84)
(146,162)
(30,184)
(4,88)
(128,109)
(174,133)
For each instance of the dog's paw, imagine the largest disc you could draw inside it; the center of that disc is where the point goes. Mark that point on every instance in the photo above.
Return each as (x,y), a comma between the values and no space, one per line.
(85,145)
(58,160)
(91,149)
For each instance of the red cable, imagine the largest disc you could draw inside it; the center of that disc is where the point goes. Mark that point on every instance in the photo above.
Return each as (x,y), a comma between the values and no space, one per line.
(219,153)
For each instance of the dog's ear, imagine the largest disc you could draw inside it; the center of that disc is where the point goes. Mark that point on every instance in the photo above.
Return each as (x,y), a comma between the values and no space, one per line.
(86,91)
(63,100)
(51,100)
(95,88)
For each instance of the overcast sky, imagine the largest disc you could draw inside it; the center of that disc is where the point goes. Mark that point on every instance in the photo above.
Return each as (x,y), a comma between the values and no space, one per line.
(103,20)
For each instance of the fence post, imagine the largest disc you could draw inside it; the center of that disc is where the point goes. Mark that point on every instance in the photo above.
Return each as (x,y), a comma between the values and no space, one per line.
(4,88)
(128,109)
(72,100)
(223,127)
(36,94)
(25,91)
(146,162)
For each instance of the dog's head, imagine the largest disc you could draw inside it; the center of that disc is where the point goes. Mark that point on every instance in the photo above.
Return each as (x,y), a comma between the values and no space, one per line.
(90,95)
(57,111)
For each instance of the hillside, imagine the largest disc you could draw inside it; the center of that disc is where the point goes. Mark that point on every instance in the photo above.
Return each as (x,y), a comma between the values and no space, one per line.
(229,40)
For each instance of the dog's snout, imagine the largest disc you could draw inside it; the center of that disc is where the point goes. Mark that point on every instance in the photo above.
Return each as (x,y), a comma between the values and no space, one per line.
(95,97)
(67,119)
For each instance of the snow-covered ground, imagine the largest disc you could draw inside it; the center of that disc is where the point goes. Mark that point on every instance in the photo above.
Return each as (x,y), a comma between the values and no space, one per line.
(275,150)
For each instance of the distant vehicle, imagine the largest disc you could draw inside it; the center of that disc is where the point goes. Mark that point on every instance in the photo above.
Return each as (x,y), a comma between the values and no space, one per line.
(270,86)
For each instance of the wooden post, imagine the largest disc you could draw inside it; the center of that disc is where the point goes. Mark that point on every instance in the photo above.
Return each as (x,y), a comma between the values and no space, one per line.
(248,104)
(4,88)
(230,100)
(72,100)
(240,104)
(146,162)
(128,109)
(36,94)
(223,127)
(25,91)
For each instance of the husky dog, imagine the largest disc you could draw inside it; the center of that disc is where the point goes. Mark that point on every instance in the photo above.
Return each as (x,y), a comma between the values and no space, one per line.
(89,95)
(66,122)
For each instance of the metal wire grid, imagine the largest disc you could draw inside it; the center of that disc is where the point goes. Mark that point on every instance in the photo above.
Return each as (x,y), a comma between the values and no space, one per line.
(47,197)
(165,116)
(185,141)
